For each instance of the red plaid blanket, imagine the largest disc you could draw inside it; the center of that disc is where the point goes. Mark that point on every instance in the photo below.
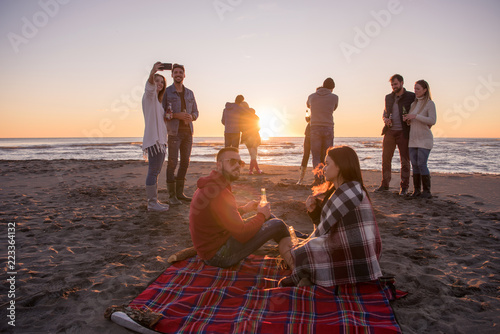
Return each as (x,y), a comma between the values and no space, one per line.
(194,297)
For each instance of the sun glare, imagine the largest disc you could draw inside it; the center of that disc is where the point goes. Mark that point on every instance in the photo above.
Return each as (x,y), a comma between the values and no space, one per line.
(272,122)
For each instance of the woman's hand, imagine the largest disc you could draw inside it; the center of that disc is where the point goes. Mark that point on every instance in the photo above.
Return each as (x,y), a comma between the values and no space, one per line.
(409,117)
(155,69)
(311,203)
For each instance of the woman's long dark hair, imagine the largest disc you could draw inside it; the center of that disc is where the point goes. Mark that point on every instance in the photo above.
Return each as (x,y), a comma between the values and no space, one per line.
(347,161)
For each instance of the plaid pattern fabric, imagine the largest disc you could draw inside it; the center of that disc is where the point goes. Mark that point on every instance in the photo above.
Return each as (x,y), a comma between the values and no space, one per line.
(346,246)
(345,199)
(196,298)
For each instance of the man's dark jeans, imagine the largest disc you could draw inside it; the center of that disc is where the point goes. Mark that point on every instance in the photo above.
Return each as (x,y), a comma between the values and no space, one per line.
(232,140)
(391,140)
(234,251)
(182,143)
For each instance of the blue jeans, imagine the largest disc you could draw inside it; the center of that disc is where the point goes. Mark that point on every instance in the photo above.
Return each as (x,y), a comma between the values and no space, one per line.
(182,143)
(155,163)
(234,251)
(418,158)
(321,140)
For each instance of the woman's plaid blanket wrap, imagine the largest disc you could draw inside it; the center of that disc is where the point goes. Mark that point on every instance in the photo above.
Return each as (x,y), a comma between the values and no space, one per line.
(346,246)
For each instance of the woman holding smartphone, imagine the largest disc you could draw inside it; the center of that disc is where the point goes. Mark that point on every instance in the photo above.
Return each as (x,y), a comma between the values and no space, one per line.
(154,142)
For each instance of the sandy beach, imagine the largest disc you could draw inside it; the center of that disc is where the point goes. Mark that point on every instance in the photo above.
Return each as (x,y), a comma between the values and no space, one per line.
(85,241)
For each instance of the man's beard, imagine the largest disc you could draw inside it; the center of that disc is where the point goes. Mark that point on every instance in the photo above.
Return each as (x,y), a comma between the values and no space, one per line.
(229,176)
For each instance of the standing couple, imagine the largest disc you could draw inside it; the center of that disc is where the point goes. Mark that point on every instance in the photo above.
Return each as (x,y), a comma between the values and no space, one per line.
(238,118)
(176,130)
(408,118)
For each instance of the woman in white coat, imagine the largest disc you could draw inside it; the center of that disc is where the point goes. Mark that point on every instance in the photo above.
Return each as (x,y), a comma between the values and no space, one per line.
(421,118)
(154,142)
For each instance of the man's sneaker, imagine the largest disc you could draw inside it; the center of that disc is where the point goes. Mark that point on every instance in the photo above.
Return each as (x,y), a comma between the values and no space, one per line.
(381,189)
(403,192)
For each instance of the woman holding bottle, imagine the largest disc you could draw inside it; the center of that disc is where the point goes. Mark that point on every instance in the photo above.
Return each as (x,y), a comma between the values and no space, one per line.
(154,141)
(421,118)
(346,245)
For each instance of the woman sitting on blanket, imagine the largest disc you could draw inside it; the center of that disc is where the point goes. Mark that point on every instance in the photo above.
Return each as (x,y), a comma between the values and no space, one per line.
(346,245)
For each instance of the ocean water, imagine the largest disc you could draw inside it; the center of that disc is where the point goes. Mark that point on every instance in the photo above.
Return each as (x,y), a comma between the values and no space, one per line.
(449,155)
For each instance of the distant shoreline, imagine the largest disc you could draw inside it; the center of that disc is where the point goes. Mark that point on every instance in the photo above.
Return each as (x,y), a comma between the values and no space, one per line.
(221,137)
(459,155)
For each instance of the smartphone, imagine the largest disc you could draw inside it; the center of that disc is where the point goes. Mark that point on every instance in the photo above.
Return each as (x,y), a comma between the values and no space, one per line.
(165,66)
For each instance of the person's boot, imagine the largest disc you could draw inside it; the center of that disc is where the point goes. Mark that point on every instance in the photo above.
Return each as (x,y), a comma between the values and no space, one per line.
(172,194)
(256,165)
(417,185)
(250,169)
(179,189)
(382,188)
(426,184)
(153,203)
(302,174)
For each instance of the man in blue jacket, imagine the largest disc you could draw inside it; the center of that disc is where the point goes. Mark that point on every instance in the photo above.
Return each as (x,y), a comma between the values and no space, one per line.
(180,132)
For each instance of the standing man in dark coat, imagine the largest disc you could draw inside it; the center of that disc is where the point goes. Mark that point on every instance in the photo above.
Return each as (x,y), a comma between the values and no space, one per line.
(396,133)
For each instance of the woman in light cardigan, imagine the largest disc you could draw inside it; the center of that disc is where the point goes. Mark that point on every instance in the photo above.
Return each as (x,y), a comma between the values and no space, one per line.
(421,118)
(155,135)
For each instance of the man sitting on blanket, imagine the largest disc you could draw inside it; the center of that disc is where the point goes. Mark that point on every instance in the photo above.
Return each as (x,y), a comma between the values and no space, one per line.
(221,237)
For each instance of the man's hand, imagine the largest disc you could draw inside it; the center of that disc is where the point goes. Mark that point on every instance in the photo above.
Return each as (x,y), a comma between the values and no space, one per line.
(183,116)
(250,206)
(265,210)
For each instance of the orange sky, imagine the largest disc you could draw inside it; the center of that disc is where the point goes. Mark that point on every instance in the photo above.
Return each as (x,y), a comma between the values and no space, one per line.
(79,69)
